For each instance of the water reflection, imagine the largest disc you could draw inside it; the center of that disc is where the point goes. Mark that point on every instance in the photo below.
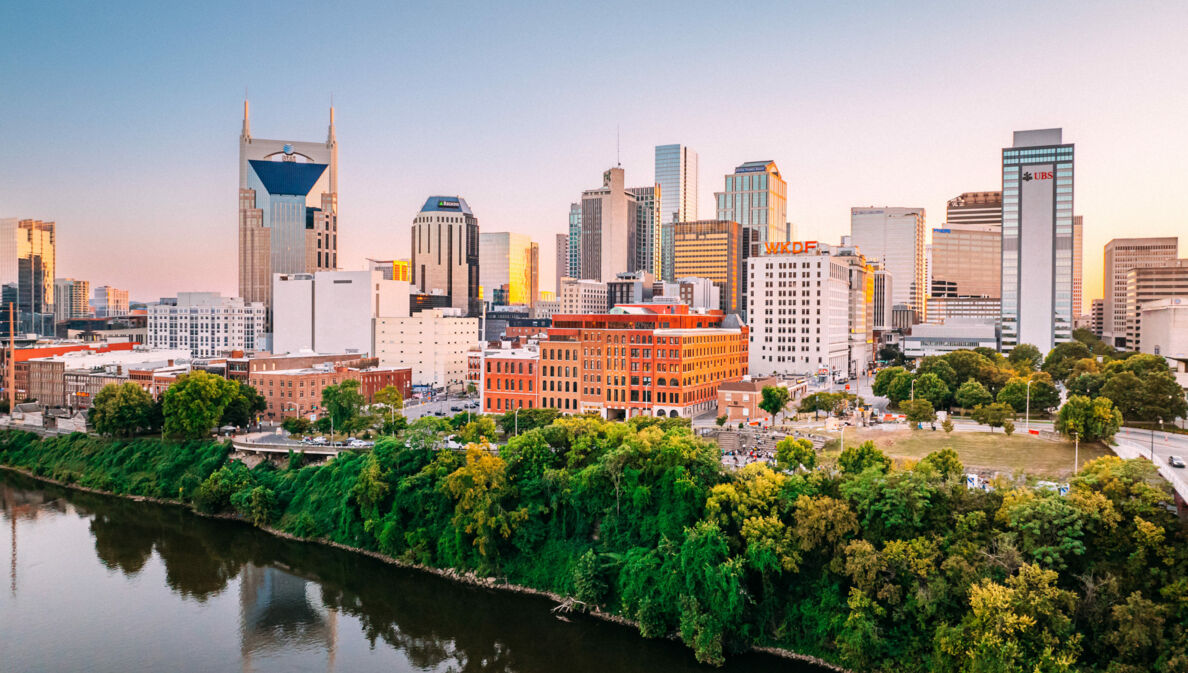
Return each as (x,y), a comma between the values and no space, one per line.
(295,600)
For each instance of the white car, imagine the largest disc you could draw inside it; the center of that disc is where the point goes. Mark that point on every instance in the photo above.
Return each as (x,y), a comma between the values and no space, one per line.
(1175,461)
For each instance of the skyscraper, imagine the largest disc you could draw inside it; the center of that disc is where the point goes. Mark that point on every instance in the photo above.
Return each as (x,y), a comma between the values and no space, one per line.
(894,237)
(965,274)
(110,302)
(1037,240)
(562,263)
(574,267)
(757,198)
(71,299)
(1120,256)
(445,252)
(676,174)
(27,258)
(506,268)
(712,249)
(608,228)
(288,209)
(647,228)
(1078,275)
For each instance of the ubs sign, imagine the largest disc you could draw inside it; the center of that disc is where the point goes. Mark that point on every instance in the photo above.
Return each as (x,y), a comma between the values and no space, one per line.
(790,247)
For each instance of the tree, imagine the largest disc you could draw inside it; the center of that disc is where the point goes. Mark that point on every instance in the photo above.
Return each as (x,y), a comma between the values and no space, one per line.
(995,415)
(946,462)
(930,387)
(1025,357)
(390,397)
(1043,395)
(1088,385)
(1124,389)
(1090,420)
(1162,398)
(720,420)
(972,394)
(968,365)
(882,381)
(775,398)
(121,410)
(947,425)
(1008,426)
(918,411)
(855,459)
(890,354)
(296,425)
(528,419)
(195,402)
(343,403)
(901,388)
(481,428)
(242,409)
(791,452)
(1060,360)
(484,509)
(935,364)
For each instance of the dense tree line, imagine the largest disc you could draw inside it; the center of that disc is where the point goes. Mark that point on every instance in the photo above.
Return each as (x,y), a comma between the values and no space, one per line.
(865,563)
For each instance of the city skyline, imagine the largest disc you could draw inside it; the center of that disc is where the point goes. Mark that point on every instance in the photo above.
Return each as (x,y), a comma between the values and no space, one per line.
(160,133)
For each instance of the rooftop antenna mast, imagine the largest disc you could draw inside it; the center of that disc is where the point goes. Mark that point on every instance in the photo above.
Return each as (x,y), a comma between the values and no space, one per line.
(618,162)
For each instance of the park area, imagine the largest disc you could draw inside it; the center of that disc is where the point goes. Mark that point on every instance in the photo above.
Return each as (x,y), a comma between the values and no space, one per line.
(996,451)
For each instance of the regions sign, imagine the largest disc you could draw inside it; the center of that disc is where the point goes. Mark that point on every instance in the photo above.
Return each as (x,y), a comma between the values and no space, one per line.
(790,247)
(447,204)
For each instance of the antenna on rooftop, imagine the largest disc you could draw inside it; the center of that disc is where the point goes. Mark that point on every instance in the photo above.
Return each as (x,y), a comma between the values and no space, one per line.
(617,157)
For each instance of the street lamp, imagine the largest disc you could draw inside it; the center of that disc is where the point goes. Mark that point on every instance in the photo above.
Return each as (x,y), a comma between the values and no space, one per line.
(1076,452)
(1153,439)
(1027,421)
(913,390)
(516,417)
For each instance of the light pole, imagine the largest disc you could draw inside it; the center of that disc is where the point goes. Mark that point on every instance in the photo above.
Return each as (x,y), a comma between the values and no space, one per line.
(1027,421)
(913,390)
(1076,452)
(516,416)
(841,442)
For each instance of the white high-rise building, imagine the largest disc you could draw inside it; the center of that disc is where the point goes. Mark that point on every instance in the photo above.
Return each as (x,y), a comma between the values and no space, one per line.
(434,343)
(109,302)
(1120,256)
(333,311)
(894,237)
(676,175)
(1037,240)
(71,299)
(810,313)
(207,324)
(582,296)
(608,228)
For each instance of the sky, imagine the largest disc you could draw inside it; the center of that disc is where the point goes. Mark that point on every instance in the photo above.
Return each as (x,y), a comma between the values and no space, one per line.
(121,120)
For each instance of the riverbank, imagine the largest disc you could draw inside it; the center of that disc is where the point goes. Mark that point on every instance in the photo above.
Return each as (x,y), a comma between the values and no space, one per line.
(867,565)
(500,584)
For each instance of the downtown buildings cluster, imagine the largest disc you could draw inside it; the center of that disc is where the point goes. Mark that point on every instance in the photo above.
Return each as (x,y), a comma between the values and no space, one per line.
(654,306)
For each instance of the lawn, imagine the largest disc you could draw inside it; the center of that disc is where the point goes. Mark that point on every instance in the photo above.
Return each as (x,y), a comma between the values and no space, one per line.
(984,450)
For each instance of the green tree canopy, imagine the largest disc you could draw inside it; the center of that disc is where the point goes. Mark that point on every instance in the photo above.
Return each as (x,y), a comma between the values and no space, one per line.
(529,419)
(121,410)
(791,452)
(972,394)
(343,403)
(938,365)
(995,415)
(882,381)
(1091,420)
(855,459)
(195,403)
(918,411)
(930,387)
(774,400)
(1043,395)
(1061,359)
(1025,357)
(900,388)
(241,411)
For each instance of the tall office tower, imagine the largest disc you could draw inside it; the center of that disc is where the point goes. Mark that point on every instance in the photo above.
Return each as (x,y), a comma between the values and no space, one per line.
(1078,274)
(975,208)
(445,252)
(562,265)
(894,237)
(288,209)
(506,268)
(1122,255)
(574,268)
(881,301)
(608,228)
(109,302)
(27,258)
(71,299)
(712,249)
(533,274)
(1146,284)
(676,174)
(757,198)
(1037,245)
(647,227)
(1097,316)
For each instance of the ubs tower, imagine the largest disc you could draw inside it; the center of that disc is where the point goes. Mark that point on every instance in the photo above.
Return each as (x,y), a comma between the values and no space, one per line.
(1037,240)
(288,209)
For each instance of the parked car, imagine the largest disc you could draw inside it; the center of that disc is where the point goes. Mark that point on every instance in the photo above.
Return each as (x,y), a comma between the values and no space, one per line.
(1175,461)
(456,408)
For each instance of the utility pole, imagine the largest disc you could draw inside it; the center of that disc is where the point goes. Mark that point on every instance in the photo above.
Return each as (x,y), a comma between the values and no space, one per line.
(11,362)
(1027,422)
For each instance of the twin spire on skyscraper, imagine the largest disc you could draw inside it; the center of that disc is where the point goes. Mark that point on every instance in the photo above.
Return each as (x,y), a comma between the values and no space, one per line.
(246,133)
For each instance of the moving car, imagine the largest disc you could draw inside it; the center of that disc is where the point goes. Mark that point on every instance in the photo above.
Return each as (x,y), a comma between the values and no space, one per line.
(1175,461)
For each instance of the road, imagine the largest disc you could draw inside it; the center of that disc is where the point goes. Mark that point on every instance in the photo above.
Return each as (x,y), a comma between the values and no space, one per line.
(412,413)
(1164,444)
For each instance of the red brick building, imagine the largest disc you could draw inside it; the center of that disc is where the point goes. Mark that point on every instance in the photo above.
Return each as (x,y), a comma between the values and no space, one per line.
(298,392)
(511,380)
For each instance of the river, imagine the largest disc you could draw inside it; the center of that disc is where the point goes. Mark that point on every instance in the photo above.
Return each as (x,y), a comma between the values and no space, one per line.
(97,583)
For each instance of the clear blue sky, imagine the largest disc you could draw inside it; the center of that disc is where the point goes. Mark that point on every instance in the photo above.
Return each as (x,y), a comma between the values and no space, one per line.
(121,120)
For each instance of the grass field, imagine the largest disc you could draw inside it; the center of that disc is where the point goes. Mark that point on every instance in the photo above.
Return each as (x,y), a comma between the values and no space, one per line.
(983,450)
